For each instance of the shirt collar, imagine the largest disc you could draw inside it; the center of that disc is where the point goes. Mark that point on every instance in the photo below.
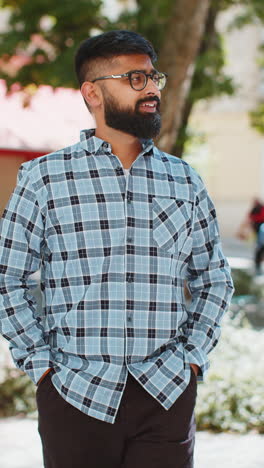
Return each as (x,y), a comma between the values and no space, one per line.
(92,144)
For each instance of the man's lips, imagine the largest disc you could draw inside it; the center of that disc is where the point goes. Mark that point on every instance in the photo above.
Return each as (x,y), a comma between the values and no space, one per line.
(149,106)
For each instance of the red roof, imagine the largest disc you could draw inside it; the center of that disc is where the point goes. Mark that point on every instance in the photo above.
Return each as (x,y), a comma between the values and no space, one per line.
(25,155)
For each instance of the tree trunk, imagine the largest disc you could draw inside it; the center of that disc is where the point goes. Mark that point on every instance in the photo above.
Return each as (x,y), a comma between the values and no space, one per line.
(207,43)
(177,56)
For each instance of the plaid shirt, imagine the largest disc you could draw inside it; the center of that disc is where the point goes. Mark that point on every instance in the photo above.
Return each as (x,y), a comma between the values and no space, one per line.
(114,253)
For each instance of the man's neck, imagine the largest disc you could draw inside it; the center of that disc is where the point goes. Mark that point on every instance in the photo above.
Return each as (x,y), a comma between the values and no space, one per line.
(126,147)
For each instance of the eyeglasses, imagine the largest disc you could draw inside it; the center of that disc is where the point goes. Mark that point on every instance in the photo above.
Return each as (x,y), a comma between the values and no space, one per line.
(138,79)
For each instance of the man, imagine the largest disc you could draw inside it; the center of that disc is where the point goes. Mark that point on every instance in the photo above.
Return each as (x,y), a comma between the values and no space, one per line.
(117,227)
(254,223)
(256,219)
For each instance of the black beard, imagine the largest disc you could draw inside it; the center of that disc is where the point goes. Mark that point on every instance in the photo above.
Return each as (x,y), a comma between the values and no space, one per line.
(134,123)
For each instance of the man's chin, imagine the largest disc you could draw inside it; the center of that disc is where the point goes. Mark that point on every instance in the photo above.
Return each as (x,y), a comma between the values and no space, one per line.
(142,125)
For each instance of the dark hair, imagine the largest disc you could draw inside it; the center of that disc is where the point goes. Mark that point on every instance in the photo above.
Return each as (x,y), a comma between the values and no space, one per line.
(107,46)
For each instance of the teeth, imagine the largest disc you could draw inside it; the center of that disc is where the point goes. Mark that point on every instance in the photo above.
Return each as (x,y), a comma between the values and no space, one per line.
(149,105)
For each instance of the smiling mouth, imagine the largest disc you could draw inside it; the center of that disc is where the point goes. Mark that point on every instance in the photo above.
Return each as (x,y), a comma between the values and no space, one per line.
(149,106)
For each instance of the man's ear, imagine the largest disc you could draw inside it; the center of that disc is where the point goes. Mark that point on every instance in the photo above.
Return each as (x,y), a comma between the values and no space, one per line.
(92,94)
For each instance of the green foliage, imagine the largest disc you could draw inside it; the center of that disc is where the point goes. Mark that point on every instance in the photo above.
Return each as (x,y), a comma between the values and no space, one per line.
(48,33)
(253,12)
(248,300)
(150,19)
(17,394)
(257,118)
(245,285)
(209,80)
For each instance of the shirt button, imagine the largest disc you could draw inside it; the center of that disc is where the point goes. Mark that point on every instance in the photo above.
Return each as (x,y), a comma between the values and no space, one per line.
(130,277)
(129,319)
(129,239)
(105,145)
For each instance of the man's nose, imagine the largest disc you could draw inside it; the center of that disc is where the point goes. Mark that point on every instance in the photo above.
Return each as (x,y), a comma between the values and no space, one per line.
(152,88)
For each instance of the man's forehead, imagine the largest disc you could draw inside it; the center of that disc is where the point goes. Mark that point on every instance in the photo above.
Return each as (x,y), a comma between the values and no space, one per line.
(124,63)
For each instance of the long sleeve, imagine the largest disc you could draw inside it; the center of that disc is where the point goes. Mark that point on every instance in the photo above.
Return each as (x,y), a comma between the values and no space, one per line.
(210,285)
(21,240)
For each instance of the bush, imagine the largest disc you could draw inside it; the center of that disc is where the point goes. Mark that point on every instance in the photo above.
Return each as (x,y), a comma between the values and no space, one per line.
(248,300)
(17,394)
(232,397)
(245,284)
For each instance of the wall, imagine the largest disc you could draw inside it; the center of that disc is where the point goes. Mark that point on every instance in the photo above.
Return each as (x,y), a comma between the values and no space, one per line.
(235,163)
(9,166)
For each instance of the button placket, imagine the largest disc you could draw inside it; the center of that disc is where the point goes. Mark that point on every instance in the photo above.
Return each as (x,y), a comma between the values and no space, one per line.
(129,275)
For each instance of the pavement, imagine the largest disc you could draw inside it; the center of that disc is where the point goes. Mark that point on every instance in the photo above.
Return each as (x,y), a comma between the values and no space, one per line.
(240,254)
(20,447)
(238,248)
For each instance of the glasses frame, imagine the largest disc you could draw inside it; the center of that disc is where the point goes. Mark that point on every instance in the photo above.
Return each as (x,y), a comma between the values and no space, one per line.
(129,75)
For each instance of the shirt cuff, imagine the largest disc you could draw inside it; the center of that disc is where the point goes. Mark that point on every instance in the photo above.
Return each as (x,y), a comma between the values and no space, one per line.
(195,355)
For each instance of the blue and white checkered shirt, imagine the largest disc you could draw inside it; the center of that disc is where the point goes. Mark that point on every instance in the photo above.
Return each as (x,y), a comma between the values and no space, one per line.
(114,254)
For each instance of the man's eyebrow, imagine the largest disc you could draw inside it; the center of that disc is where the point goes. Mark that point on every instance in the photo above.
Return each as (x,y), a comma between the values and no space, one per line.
(153,70)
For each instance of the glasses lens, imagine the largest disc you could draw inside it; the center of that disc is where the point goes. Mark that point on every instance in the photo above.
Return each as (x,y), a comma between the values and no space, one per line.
(138,80)
(159,80)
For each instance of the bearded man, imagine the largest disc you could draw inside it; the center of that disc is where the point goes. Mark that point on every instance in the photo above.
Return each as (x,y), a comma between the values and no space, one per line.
(117,228)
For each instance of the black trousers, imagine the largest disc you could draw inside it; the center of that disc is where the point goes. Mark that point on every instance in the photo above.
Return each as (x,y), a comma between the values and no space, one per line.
(144,434)
(259,255)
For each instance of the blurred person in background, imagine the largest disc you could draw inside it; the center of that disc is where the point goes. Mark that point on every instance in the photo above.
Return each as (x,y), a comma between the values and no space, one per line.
(117,227)
(254,222)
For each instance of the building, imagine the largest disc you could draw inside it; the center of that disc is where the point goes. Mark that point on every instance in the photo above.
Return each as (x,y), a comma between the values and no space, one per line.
(52,121)
(232,159)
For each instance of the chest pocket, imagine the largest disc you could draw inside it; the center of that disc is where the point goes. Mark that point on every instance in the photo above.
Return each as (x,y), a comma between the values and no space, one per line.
(172,221)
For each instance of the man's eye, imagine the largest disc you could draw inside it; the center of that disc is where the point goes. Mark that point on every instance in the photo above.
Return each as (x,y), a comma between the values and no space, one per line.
(156,77)
(136,77)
